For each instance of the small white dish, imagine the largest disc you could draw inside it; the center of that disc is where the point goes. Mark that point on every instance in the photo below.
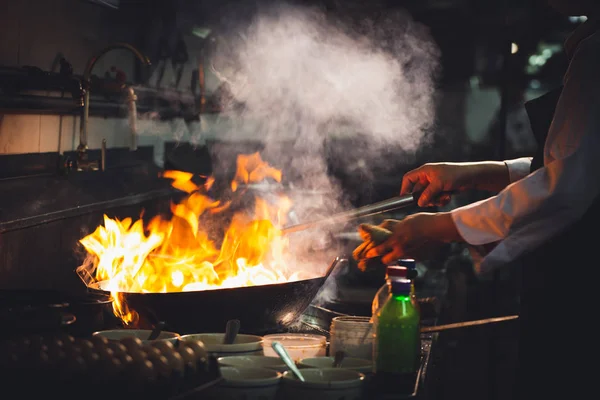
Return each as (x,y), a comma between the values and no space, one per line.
(274,363)
(298,345)
(323,384)
(142,334)
(356,364)
(246,383)
(243,345)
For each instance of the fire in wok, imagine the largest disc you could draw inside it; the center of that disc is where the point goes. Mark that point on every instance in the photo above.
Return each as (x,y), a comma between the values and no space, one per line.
(179,253)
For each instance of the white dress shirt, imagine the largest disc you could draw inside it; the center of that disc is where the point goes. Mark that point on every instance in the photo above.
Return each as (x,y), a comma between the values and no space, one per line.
(539,205)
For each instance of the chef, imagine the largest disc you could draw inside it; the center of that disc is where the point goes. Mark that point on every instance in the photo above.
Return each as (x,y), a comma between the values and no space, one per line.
(543,218)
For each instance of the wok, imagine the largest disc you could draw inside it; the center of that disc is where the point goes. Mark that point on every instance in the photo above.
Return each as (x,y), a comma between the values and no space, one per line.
(260,309)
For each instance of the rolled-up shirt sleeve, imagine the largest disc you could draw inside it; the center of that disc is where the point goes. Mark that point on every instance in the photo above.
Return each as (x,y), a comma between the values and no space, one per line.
(536,207)
(518,168)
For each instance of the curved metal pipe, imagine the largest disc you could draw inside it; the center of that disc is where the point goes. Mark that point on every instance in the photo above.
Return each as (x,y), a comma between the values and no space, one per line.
(86,81)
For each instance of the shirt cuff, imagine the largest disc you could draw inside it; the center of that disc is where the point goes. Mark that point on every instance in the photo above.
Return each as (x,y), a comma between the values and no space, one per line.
(518,168)
(473,223)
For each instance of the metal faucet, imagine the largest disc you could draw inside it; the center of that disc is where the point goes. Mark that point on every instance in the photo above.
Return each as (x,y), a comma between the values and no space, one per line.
(132,112)
(83,162)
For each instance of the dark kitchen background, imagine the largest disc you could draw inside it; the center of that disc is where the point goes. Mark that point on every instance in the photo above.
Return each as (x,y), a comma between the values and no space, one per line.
(494,55)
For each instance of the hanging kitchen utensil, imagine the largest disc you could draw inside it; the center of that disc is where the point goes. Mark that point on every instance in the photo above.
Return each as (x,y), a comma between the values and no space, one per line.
(179,58)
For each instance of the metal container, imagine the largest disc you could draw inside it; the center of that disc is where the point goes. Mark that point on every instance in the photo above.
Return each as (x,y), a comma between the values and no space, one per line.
(352,335)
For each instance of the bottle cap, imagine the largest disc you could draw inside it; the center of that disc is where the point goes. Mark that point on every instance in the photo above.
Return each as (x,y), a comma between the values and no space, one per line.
(408,263)
(394,271)
(401,286)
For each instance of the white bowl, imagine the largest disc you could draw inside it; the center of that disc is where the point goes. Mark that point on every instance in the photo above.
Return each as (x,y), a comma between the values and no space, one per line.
(142,334)
(246,383)
(298,345)
(323,384)
(243,345)
(356,364)
(254,361)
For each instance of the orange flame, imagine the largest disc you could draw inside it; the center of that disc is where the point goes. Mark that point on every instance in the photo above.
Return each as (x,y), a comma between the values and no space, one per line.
(177,254)
(251,168)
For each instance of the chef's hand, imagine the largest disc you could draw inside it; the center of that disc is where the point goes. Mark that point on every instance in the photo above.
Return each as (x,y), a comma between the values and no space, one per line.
(372,235)
(436,180)
(417,236)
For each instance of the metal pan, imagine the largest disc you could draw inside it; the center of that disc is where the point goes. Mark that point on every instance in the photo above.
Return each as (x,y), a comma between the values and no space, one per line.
(260,309)
(75,314)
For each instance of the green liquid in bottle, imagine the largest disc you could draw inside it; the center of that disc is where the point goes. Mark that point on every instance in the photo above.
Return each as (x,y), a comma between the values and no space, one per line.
(397,341)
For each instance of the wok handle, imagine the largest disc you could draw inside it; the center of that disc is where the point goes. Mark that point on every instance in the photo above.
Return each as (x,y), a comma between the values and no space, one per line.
(334,265)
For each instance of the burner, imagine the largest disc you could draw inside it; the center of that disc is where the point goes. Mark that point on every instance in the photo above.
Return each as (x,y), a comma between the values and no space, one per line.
(44,311)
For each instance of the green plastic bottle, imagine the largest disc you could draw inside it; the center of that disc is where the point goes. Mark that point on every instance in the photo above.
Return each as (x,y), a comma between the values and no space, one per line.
(397,340)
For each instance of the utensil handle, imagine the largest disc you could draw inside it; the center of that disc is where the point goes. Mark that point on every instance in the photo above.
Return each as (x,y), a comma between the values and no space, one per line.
(394,203)
(231,330)
(372,209)
(334,265)
(282,352)
(156,331)
(465,324)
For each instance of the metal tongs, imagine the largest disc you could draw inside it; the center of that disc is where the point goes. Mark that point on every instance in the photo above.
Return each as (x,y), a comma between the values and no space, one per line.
(394,203)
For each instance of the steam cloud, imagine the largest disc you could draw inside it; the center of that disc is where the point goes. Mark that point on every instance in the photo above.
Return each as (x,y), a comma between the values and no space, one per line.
(302,75)
(304,78)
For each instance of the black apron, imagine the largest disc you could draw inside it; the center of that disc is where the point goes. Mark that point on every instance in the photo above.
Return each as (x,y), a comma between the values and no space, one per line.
(557,296)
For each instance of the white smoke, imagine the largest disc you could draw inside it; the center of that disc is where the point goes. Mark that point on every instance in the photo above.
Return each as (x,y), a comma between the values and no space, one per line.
(303,78)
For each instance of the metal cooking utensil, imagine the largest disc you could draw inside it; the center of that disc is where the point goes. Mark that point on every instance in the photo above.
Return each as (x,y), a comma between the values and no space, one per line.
(371,209)
(457,325)
(285,356)
(395,203)
(231,331)
(439,328)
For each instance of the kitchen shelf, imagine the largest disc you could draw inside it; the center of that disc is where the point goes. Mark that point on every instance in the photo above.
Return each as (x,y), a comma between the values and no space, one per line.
(27,90)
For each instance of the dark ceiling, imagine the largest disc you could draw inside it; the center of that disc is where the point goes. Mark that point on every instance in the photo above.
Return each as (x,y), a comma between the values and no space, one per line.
(458,26)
